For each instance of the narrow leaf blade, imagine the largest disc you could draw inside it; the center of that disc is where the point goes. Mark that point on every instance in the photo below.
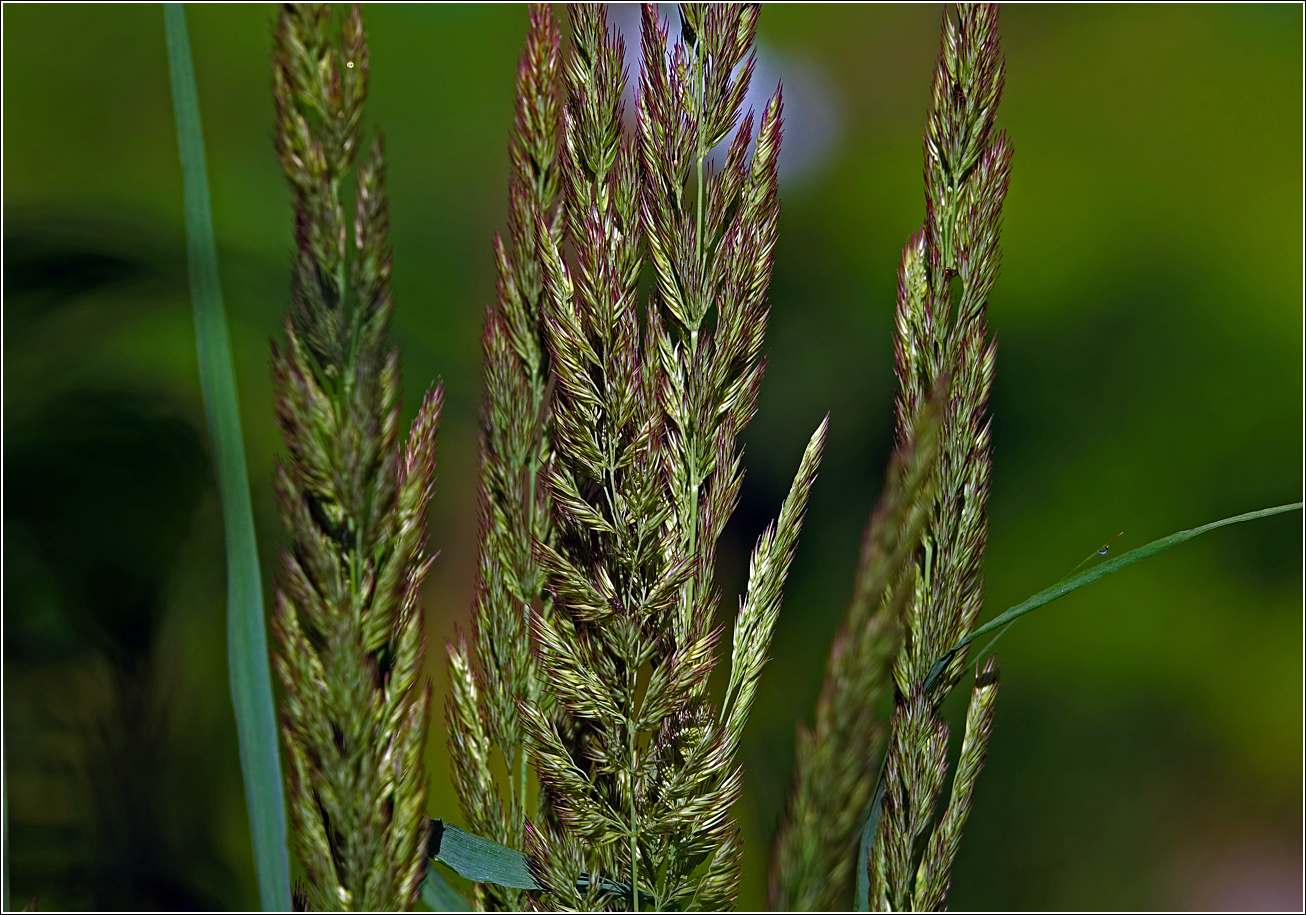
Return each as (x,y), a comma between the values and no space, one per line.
(1075,582)
(867,845)
(247,652)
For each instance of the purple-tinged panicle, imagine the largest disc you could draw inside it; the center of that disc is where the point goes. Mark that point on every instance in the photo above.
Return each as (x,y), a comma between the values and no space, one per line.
(919,583)
(638,766)
(494,675)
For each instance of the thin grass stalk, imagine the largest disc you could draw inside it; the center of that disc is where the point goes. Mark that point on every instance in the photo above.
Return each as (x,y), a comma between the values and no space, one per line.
(497,672)
(247,651)
(948,271)
(348,617)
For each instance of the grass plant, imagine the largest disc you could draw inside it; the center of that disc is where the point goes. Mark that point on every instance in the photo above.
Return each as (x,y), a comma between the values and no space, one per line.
(947,272)
(348,617)
(596,768)
(636,765)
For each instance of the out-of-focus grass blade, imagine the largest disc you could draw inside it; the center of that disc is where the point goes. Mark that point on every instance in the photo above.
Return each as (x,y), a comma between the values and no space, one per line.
(1075,582)
(439,895)
(4,814)
(247,652)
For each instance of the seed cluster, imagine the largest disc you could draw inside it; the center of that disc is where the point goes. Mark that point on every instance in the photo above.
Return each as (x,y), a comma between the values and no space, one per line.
(348,619)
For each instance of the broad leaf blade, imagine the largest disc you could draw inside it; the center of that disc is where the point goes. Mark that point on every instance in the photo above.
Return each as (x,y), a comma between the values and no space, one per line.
(247,651)
(483,861)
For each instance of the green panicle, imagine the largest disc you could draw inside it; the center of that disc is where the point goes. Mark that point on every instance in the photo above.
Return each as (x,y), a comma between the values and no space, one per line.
(348,617)
(838,758)
(640,769)
(948,270)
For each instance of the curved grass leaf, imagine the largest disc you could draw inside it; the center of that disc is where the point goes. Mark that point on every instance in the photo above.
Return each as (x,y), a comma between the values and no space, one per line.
(247,652)
(1004,621)
(1075,582)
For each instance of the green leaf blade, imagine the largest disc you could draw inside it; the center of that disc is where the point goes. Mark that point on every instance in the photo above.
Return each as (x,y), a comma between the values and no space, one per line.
(439,895)
(481,860)
(247,652)
(1111,566)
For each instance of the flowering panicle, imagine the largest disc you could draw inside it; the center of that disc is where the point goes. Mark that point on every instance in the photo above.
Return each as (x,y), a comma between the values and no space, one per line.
(837,759)
(948,270)
(515,448)
(348,619)
(639,768)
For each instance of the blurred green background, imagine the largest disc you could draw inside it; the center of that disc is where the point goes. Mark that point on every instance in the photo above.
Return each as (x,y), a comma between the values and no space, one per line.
(1148,744)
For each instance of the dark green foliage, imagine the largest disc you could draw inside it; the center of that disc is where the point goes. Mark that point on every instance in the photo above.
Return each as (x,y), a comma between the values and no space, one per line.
(348,619)
(101,488)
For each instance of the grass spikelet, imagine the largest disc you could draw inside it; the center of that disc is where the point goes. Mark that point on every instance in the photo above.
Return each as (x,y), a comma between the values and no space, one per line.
(347,619)
(932,876)
(498,672)
(948,271)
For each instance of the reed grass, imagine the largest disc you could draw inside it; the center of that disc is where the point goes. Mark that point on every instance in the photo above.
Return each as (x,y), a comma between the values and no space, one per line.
(348,617)
(609,466)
